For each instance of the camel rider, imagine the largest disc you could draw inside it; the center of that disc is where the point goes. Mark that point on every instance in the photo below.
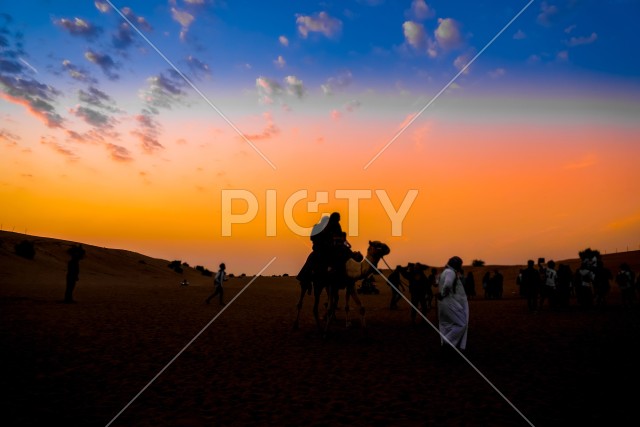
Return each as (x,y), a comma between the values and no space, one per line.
(323,236)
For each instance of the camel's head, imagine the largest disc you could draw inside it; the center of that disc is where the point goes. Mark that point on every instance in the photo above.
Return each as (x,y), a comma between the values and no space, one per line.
(378,249)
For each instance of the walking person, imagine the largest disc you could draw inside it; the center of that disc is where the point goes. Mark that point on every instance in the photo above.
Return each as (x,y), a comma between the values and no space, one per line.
(453,307)
(221,276)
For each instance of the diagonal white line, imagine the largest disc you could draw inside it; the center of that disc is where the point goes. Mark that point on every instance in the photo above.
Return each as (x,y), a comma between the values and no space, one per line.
(435,328)
(192,341)
(193,86)
(415,117)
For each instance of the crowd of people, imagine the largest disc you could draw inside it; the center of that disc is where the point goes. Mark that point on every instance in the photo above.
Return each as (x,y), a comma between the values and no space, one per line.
(590,283)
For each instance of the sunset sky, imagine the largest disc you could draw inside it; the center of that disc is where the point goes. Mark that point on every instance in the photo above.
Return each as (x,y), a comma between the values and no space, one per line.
(123,129)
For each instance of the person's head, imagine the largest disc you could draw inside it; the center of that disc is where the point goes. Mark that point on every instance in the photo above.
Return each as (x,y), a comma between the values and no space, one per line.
(455,263)
(334,217)
(222,266)
(551,264)
(530,263)
(434,270)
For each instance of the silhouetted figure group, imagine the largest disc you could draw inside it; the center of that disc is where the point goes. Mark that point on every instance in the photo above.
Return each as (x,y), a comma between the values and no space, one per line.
(590,284)
(420,287)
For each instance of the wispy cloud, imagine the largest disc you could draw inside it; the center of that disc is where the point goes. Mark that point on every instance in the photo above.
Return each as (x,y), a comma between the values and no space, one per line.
(198,68)
(519,35)
(9,138)
(337,83)
(420,10)
(105,62)
(577,41)
(59,148)
(79,27)
(269,130)
(318,23)
(77,73)
(283,41)
(623,224)
(184,18)
(547,13)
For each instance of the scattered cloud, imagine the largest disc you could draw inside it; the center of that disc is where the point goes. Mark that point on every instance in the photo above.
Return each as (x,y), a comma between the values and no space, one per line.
(269,130)
(533,59)
(448,33)
(102,6)
(163,91)
(280,62)
(184,18)
(148,132)
(77,73)
(462,60)
(318,23)
(268,90)
(577,41)
(138,21)
(337,83)
(79,27)
(9,138)
(198,68)
(416,36)
(547,13)
(570,28)
(105,62)
(295,86)
(123,37)
(36,97)
(420,10)
(119,153)
(283,41)
(58,148)
(519,35)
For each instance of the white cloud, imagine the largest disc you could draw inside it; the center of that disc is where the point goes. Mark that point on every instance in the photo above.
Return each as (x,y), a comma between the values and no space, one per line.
(295,86)
(102,6)
(417,38)
(462,60)
(577,41)
(283,41)
(280,62)
(420,10)
(319,23)
(448,33)
(185,19)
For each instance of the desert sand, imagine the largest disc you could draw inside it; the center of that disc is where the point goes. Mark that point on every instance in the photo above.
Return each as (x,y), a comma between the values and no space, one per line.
(81,364)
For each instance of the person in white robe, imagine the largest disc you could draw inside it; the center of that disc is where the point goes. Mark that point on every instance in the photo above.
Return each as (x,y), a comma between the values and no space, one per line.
(453,307)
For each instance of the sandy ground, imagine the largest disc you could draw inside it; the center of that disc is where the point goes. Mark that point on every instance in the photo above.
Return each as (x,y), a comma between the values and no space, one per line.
(81,364)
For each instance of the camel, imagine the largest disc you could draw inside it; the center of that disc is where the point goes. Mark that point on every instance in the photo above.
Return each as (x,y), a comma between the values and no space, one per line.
(357,268)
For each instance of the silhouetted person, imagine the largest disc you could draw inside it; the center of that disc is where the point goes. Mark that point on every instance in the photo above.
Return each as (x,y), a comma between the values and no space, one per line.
(221,276)
(324,237)
(470,285)
(624,279)
(395,279)
(531,285)
(584,289)
(564,285)
(486,282)
(418,284)
(73,272)
(601,283)
(496,284)
(548,288)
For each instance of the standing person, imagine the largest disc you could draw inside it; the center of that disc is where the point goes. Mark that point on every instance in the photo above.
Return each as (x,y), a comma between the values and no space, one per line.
(395,279)
(498,284)
(548,288)
(73,272)
(470,285)
(221,276)
(601,282)
(417,288)
(585,277)
(624,279)
(531,285)
(563,288)
(453,307)
(486,281)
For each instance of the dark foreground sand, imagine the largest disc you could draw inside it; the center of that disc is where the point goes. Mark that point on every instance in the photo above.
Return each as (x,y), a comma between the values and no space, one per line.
(79,365)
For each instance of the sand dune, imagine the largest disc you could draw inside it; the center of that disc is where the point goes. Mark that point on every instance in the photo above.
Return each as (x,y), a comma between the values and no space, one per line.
(81,364)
